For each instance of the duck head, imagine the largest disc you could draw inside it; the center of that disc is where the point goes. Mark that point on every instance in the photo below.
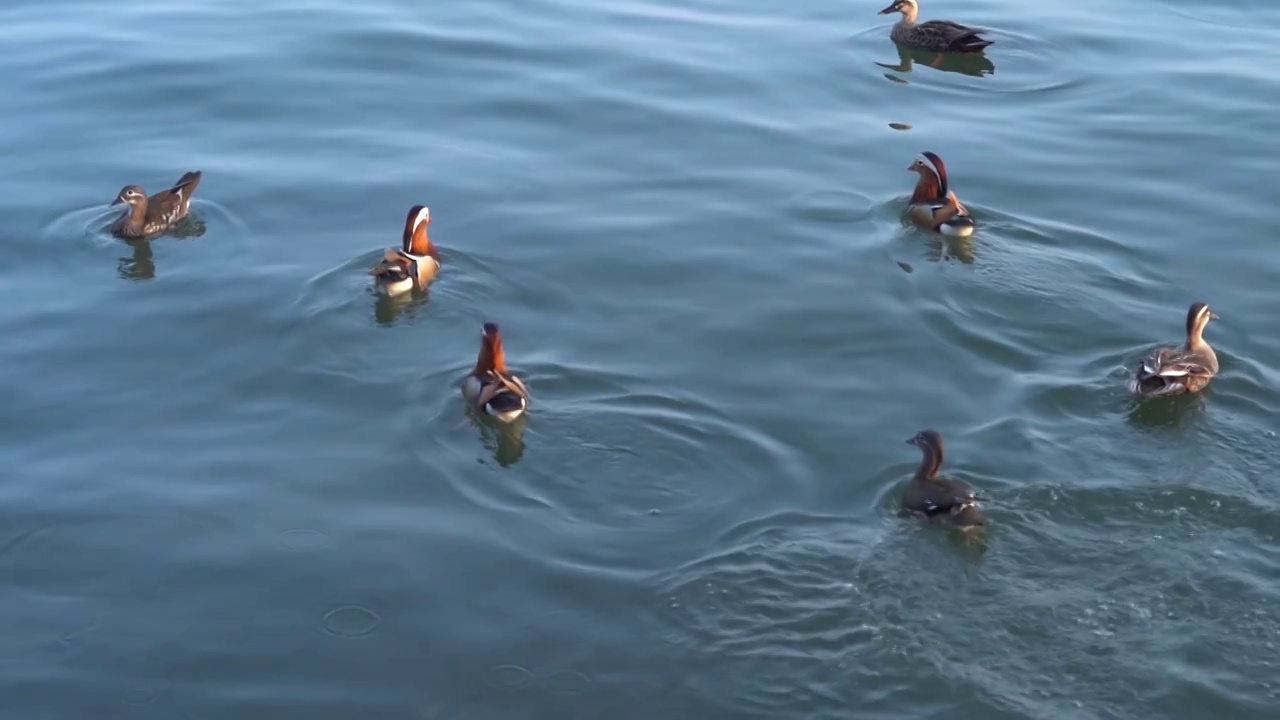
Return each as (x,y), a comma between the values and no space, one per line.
(930,444)
(906,7)
(416,242)
(932,185)
(131,195)
(491,357)
(1198,316)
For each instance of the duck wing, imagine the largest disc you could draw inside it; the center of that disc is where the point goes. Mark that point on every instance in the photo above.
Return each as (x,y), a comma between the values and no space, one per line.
(953,36)
(1176,362)
(392,266)
(503,393)
(939,496)
(1169,371)
(172,205)
(498,384)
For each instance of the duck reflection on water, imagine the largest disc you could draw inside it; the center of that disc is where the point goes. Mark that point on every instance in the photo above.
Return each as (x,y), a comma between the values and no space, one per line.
(974,64)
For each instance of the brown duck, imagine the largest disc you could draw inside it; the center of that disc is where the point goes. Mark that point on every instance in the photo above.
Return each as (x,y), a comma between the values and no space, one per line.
(153,215)
(1178,370)
(415,264)
(933,497)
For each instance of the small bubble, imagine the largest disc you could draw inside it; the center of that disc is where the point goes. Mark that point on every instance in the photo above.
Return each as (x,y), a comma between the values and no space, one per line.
(303,539)
(510,677)
(350,621)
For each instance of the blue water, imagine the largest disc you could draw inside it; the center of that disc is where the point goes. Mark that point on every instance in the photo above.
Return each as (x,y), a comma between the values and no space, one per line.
(239,485)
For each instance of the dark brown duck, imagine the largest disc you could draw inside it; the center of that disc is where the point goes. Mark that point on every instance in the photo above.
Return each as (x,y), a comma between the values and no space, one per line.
(938,35)
(938,498)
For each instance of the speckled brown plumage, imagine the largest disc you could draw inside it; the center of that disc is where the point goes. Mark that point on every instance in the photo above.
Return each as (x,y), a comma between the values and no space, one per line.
(153,215)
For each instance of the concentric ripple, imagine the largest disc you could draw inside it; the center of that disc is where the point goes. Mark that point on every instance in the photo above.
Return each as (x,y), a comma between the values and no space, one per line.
(1016,63)
(350,621)
(510,678)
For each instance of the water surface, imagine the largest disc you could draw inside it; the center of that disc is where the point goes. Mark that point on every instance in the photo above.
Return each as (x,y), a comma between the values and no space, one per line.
(240,486)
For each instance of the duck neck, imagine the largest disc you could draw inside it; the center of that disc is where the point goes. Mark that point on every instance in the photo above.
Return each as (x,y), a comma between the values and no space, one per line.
(1195,337)
(491,359)
(136,217)
(929,464)
(419,244)
(928,189)
(909,15)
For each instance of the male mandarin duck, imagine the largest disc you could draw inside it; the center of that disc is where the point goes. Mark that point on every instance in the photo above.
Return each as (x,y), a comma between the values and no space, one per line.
(490,387)
(415,264)
(153,215)
(933,204)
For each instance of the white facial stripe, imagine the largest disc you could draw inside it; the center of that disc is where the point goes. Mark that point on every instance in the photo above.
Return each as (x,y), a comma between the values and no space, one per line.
(423,215)
(929,164)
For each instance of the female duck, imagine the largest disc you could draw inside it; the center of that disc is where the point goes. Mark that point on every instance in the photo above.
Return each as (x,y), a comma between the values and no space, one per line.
(933,497)
(490,387)
(153,215)
(1178,370)
(416,262)
(933,204)
(940,35)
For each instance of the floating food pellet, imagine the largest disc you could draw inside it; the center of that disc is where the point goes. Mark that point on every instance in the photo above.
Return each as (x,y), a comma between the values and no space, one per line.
(900,126)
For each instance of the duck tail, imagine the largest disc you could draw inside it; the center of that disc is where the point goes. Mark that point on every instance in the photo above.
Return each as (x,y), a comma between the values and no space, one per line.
(973,43)
(189,181)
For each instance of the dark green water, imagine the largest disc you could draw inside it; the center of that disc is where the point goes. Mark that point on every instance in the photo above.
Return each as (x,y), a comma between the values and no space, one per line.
(238,486)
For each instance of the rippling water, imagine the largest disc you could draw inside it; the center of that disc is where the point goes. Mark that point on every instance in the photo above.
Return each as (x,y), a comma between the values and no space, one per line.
(240,486)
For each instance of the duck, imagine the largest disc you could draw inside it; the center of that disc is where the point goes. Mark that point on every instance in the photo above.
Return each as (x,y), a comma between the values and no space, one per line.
(1178,370)
(933,204)
(930,496)
(414,264)
(153,215)
(939,35)
(491,388)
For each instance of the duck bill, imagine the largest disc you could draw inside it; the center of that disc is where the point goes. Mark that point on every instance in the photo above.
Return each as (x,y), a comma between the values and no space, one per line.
(889,9)
(910,441)
(117,201)
(1214,316)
